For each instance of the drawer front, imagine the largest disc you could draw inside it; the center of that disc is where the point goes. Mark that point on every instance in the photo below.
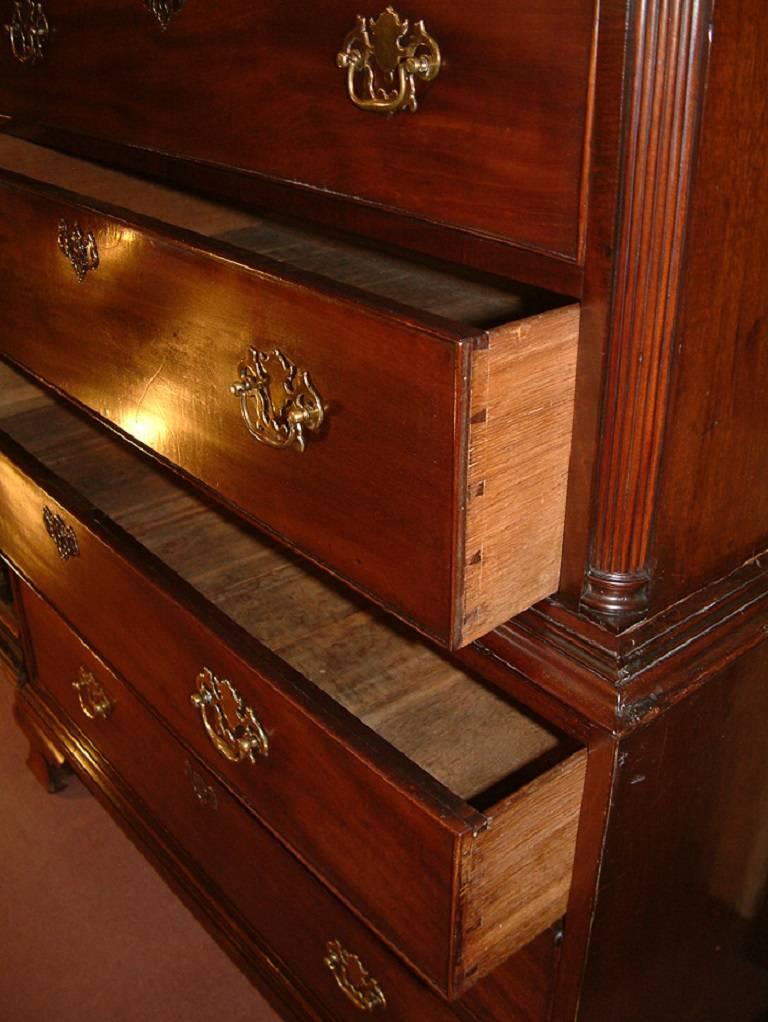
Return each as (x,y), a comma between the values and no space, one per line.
(153,340)
(318,941)
(352,807)
(455,891)
(494,147)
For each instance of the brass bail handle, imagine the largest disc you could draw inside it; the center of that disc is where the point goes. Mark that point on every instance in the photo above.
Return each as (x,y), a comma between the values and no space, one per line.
(78,247)
(94,701)
(28,31)
(352,978)
(62,535)
(233,728)
(163,10)
(384,58)
(278,401)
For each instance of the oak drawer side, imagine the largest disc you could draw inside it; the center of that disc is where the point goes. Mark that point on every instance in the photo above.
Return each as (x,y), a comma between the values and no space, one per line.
(521,422)
(517,872)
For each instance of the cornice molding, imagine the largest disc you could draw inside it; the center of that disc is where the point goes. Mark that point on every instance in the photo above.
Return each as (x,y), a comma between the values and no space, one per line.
(618,680)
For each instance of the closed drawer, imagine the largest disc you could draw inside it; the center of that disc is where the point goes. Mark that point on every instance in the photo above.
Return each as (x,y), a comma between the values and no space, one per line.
(495,147)
(435,482)
(312,934)
(437,810)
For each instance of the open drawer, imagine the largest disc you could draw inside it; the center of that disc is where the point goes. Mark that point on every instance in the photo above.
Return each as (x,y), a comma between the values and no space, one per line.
(440,812)
(316,940)
(406,428)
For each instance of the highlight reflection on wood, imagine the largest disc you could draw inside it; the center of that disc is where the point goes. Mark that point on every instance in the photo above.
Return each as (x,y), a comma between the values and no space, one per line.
(429,709)
(360,808)
(434,477)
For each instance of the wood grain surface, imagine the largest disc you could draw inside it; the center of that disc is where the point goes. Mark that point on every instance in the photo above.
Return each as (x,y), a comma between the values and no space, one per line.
(716,446)
(661,113)
(321,756)
(539,859)
(496,146)
(521,422)
(152,342)
(262,884)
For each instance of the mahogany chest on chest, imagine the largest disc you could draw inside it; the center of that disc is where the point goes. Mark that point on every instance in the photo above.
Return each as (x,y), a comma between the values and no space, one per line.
(383,485)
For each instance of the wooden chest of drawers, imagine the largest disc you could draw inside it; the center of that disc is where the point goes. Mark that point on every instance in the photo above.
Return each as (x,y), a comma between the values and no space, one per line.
(430,469)
(265,886)
(497,877)
(372,392)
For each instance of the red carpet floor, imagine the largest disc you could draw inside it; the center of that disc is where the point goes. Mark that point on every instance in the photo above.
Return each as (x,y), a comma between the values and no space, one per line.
(88,930)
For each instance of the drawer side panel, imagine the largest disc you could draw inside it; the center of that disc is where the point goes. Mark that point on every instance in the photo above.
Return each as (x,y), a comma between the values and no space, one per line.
(518,871)
(521,424)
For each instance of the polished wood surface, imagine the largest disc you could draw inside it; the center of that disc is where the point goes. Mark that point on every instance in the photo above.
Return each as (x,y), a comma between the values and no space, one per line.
(271,956)
(409,694)
(422,547)
(264,885)
(661,115)
(426,239)
(8,619)
(688,824)
(716,449)
(652,651)
(603,208)
(537,825)
(496,146)
(13,668)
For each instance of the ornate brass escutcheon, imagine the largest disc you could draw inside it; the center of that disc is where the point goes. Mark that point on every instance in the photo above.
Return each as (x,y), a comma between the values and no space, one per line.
(164,10)
(232,726)
(94,701)
(63,535)
(278,402)
(28,31)
(356,982)
(204,793)
(384,57)
(79,247)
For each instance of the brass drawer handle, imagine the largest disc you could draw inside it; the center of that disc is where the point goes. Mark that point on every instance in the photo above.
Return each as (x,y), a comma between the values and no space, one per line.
(164,10)
(204,793)
(79,248)
(94,701)
(278,402)
(385,57)
(232,726)
(63,535)
(353,978)
(28,31)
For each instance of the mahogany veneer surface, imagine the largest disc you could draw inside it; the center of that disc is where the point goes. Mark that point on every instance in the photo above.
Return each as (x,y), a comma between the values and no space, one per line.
(651,652)
(290,912)
(437,482)
(496,146)
(526,784)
